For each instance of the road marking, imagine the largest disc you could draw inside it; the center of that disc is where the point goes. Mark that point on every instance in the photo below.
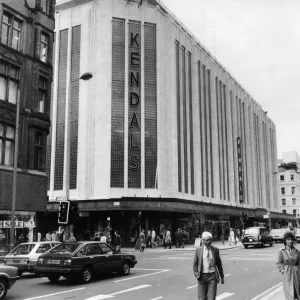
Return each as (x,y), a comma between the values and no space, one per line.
(268,293)
(227,275)
(190,287)
(69,291)
(224,296)
(102,297)
(149,269)
(157,298)
(140,276)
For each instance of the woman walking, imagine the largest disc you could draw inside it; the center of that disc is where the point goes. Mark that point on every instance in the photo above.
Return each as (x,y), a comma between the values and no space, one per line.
(288,264)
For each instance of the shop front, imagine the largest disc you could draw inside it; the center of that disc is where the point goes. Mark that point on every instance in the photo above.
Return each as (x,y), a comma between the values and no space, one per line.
(25,228)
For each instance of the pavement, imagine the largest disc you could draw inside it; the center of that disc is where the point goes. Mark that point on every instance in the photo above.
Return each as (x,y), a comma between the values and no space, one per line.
(217,244)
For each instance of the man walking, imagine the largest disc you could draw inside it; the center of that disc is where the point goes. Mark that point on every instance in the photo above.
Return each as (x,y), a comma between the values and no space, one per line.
(142,239)
(118,242)
(207,267)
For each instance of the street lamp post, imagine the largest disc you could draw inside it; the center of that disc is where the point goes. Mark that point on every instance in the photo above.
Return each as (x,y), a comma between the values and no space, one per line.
(14,191)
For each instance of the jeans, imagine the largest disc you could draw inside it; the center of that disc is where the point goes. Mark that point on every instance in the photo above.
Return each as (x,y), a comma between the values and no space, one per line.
(207,286)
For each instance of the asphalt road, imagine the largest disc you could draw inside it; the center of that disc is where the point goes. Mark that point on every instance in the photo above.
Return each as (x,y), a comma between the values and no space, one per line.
(163,274)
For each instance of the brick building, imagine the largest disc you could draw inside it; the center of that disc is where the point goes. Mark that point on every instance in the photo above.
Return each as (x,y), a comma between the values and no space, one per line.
(26,39)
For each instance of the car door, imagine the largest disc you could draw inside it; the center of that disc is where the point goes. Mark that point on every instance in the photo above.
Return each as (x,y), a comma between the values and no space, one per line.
(114,260)
(97,257)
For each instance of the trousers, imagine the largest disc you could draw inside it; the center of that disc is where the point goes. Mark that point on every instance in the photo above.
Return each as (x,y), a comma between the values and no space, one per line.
(207,286)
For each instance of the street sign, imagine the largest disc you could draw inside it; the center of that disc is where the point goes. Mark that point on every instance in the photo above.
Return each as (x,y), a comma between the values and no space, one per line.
(61,198)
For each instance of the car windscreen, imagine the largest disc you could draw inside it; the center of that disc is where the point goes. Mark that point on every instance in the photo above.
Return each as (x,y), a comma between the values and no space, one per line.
(252,231)
(65,248)
(276,231)
(22,249)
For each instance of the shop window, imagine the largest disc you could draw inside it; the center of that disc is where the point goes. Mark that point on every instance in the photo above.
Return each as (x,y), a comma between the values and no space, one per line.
(11,31)
(45,6)
(9,82)
(292,177)
(44,47)
(43,82)
(283,202)
(282,191)
(282,177)
(284,211)
(294,212)
(293,189)
(38,151)
(294,201)
(7,143)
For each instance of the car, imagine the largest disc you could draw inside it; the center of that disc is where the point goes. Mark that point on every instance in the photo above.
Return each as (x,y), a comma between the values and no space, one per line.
(297,234)
(25,255)
(8,276)
(277,234)
(257,237)
(81,261)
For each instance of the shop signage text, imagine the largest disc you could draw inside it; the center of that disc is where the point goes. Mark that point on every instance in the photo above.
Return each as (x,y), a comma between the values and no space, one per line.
(18,224)
(134,99)
(240,170)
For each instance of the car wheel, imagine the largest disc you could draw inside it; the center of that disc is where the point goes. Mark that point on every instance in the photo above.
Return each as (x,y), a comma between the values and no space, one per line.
(20,273)
(125,269)
(246,246)
(271,244)
(86,275)
(3,288)
(53,278)
(262,245)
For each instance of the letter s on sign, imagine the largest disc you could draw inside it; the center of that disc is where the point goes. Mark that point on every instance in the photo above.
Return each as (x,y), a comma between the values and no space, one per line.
(134,160)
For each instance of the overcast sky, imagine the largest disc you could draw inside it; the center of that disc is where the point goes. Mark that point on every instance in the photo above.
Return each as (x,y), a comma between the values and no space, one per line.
(258,42)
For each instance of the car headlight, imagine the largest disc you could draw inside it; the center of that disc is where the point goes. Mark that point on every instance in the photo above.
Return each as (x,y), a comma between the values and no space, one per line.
(67,262)
(40,261)
(4,261)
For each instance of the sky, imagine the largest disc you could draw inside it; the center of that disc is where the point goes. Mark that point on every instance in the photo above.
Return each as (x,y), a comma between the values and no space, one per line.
(258,42)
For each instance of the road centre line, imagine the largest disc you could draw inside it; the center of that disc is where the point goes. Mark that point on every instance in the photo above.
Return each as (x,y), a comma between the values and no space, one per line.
(54,294)
(140,276)
(190,287)
(227,275)
(224,296)
(270,292)
(157,298)
(149,269)
(102,297)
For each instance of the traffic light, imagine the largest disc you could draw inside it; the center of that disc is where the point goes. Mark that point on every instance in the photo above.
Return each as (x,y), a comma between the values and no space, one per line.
(74,214)
(63,213)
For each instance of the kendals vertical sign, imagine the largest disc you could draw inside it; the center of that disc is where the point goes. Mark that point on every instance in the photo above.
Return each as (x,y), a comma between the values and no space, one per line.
(134,105)
(240,170)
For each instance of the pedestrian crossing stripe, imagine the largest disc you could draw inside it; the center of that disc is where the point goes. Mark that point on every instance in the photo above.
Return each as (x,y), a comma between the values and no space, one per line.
(224,296)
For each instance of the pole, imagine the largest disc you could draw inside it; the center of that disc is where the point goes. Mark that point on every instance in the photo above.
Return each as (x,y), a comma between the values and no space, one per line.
(14,192)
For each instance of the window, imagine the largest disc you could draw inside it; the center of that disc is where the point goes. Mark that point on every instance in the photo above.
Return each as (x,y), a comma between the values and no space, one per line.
(11,31)
(294,201)
(44,47)
(282,191)
(42,94)
(43,248)
(283,202)
(284,211)
(7,142)
(293,190)
(38,150)
(93,249)
(294,212)
(292,177)
(282,177)
(106,249)
(9,82)
(45,6)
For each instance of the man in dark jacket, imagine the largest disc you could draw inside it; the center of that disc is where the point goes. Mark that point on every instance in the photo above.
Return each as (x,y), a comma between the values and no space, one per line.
(207,267)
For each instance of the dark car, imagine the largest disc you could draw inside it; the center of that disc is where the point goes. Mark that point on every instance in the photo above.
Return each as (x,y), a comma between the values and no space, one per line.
(8,276)
(257,236)
(83,260)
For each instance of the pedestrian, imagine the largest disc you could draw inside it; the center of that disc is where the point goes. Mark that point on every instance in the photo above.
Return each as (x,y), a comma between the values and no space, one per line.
(39,236)
(53,236)
(97,238)
(207,267)
(118,242)
(61,235)
(86,235)
(168,241)
(72,238)
(181,243)
(142,239)
(288,264)
(49,236)
(231,237)
(103,238)
(153,235)
(149,239)
(177,238)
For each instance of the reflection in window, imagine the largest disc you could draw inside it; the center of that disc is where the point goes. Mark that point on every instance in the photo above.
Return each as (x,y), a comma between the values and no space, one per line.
(11,31)
(44,47)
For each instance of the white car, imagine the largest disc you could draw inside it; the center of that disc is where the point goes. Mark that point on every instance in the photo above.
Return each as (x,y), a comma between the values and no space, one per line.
(25,255)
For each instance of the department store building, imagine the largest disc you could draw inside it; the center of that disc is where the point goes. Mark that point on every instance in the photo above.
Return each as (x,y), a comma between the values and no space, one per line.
(161,129)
